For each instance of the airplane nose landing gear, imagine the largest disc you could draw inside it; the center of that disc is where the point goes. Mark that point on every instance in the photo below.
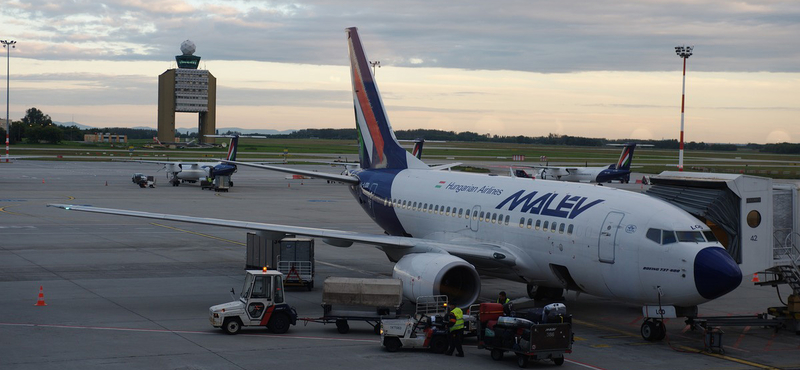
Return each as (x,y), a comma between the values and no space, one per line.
(653,330)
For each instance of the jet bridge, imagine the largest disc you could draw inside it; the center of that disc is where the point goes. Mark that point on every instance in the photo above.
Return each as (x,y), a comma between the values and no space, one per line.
(738,209)
(755,220)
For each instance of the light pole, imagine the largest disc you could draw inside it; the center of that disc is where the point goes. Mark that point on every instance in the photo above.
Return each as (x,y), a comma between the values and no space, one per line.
(684,52)
(374,64)
(8,44)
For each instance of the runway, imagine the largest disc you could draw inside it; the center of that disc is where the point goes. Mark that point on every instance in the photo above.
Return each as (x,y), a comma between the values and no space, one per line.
(128,293)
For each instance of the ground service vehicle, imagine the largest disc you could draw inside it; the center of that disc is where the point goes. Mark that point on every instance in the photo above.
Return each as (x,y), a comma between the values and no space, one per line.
(425,329)
(534,334)
(139,179)
(262,303)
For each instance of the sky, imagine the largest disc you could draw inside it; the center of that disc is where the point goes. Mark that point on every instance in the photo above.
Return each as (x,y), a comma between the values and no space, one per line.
(595,68)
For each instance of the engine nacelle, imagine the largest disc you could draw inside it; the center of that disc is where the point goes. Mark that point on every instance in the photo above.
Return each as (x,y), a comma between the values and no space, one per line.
(425,274)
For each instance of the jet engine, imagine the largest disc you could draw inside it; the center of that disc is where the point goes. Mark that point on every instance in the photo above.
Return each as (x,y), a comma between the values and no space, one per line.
(425,274)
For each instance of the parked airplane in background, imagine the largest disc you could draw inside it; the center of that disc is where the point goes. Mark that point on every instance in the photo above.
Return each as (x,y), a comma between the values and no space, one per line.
(178,172)
(620,171)
(446,229)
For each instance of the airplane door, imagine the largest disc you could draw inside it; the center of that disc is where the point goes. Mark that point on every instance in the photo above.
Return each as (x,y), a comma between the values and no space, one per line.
(473,220)
(607,243)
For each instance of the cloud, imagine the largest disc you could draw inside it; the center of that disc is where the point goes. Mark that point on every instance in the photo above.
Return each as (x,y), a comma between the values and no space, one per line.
(539,36)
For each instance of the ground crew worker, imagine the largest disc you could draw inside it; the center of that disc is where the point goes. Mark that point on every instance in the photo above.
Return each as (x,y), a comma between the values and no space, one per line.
(455,320)
(501,298)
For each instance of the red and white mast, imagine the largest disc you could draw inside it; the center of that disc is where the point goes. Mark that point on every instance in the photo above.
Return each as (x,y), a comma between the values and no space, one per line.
(684,52)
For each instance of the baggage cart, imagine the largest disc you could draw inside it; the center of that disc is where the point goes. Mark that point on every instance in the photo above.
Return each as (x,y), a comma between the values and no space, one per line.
(539,334)
(354,299)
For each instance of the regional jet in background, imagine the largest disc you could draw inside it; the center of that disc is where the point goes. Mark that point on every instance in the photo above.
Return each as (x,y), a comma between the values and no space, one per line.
(620,171)
(179,172)
(446,229)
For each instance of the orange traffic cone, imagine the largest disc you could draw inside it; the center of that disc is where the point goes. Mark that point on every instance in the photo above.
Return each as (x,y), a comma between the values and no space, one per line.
(40,302)
(42,181)
(755,278)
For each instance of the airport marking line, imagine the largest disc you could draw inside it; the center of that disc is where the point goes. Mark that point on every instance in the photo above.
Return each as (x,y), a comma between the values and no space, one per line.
(3,209)
(681,347)
(166,331)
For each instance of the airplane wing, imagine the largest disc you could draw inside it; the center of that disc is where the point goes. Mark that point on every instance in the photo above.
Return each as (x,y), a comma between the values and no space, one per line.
(482,255)
(320,175)
(445,166)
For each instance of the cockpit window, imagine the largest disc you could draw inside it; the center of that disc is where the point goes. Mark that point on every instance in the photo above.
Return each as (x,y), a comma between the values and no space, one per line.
(710,236)
(668,237)
(654,235)
(690,236)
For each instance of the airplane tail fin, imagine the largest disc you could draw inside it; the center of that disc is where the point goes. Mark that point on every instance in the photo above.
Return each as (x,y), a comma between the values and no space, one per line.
(233,147)
(378,146)
(418,143)
(626,157)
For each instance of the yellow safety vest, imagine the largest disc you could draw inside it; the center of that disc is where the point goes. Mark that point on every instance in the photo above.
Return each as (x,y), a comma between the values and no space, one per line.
(507,300)
(459,319)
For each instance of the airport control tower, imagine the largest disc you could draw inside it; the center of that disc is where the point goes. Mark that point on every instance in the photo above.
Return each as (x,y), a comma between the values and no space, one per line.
(190,90)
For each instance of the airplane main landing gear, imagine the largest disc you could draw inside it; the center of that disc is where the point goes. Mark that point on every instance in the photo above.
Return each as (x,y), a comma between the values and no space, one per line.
(653,330)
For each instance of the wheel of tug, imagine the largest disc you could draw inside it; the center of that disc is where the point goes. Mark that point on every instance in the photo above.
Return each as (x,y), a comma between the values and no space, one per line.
(392,344)
(439,344)
(558,361)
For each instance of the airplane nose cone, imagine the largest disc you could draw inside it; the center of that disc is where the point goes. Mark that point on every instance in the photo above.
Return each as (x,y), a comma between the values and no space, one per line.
(715,273)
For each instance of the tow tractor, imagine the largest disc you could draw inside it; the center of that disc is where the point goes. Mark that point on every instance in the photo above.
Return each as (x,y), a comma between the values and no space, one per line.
(425,329)
(262,303)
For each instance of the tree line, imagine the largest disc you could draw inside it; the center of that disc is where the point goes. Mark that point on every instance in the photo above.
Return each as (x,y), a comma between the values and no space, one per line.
(38,127)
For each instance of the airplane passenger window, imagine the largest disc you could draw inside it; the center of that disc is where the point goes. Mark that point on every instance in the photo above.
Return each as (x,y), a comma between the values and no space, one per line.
(415,206)
(570,228)
(460,212)
(481,217)
(553,227)
(668,237)
(404,204)
(494,218)
(436,209)
(507,219)
(474,215)
(454,212)
(538,223)
(530,221)
(546,224)
(522,222)
(447,213)
(690,236)
(654,235)
(710,236)
(560,228)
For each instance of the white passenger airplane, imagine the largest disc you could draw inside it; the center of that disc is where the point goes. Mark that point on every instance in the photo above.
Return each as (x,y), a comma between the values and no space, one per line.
(445,229)
(620,171)
(178,172)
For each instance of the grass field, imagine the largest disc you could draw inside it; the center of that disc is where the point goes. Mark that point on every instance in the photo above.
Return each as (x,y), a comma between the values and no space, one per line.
(646,160)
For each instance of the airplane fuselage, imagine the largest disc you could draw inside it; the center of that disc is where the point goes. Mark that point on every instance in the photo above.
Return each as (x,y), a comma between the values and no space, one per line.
(579,236)
(585,174)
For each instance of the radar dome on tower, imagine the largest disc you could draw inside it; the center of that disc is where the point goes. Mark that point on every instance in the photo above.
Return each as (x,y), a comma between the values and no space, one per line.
(188,47)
